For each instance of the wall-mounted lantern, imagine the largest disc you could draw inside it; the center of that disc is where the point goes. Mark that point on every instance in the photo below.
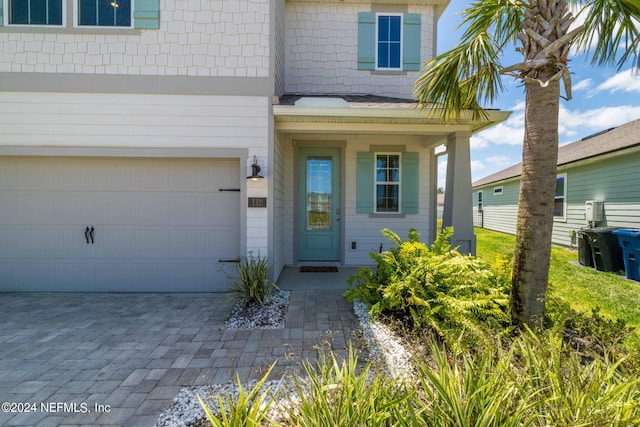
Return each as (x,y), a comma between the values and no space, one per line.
(255,170)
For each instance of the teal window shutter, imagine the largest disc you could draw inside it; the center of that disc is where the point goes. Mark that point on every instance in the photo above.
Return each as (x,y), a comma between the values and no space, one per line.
(1,14)
(147,14)
(364,183)
(410,183)
(366,41)
(411,50)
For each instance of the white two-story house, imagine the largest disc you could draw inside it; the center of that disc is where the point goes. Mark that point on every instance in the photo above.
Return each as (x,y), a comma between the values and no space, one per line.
(146,143)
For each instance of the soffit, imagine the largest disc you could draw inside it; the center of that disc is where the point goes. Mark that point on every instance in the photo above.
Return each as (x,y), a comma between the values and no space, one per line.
(368,117)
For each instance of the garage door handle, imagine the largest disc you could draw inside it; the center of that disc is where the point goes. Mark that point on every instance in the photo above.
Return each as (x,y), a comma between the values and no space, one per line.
(229,260)
(91,234)
(86,235)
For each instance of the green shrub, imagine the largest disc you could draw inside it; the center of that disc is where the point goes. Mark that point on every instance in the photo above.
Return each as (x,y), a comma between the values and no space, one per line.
(342,394)
(566,391)
(248,408)
(251,280)
(593,335)
(434,287)
(537,380)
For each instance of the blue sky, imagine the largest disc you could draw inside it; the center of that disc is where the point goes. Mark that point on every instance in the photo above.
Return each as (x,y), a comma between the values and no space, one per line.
(602,98)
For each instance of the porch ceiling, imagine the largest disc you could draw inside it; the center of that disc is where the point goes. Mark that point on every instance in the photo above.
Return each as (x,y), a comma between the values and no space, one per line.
(376,120)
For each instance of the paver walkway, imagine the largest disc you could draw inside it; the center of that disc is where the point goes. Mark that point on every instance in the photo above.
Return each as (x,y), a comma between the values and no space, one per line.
(120,359)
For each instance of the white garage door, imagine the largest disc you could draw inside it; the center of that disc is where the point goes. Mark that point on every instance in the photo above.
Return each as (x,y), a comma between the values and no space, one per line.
(159,225)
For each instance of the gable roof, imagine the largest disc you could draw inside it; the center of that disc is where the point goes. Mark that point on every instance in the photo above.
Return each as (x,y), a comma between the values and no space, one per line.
(603,142)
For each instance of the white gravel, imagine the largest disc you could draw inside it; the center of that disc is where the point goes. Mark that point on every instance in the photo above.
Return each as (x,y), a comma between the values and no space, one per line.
(271,315)
(385,350)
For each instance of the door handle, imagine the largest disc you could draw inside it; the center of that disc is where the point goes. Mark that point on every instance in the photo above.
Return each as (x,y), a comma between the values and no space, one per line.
(86,234)
(91,234)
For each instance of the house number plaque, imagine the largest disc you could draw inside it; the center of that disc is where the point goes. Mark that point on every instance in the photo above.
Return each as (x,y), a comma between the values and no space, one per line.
(257,202)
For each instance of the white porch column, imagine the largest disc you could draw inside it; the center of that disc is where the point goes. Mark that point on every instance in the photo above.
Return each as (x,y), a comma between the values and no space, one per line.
(458,204)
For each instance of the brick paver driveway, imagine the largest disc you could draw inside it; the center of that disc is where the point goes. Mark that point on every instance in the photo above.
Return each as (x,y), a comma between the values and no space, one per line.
(120,359)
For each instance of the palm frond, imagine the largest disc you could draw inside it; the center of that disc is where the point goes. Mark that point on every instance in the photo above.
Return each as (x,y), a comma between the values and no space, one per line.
(612,31)
(467,77)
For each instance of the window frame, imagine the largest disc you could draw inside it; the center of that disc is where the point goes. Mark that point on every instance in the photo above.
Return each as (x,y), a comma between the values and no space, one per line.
(376,183)
(76,18)
(498,191)
(562,217)
(479,200)
(376,42)
(6,7)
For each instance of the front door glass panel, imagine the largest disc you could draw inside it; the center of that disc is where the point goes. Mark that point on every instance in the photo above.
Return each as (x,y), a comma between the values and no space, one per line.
(319,192)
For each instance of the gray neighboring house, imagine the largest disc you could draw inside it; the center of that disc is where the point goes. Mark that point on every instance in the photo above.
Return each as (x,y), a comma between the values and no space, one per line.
(598,184)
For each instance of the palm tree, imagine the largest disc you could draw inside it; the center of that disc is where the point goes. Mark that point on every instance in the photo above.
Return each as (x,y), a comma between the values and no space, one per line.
(469,75)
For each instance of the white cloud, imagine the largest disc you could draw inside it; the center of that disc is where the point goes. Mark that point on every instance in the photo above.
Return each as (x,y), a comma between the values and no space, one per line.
(476,165)
(509,132)
(572,123)
(582,85)
(499,160)
(624,81)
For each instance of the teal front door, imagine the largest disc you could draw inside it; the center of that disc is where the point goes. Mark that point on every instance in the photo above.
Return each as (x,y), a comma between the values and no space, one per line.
(319,204)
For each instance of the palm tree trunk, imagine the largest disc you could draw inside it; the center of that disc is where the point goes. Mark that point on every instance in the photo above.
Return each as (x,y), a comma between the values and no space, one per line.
(535,207)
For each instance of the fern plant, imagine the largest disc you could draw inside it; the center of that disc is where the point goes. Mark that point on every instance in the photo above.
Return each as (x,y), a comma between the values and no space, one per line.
(434,287)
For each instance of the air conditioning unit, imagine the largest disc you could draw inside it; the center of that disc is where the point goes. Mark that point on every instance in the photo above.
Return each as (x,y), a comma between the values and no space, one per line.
(594,210)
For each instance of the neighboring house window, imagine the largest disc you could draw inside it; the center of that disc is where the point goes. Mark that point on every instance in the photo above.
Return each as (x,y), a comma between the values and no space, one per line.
(560,203)
(35,12)
(389,41)
(104,13)
(387,183)
(479,200)
(498,191)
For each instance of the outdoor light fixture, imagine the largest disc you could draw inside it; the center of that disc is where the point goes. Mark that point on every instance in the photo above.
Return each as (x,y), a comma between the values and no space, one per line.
(255,170)
(114,3)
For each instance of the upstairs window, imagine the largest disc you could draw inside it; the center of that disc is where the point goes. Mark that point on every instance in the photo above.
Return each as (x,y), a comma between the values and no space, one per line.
(389,42)
(35,12)
(104,13)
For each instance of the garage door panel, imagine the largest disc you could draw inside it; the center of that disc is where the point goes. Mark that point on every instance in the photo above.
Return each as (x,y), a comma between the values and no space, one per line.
(150,209)
(73,276)
(8,276)
(74,208)
(110,174)
(76,174)
(34,208)
(224,208)
(8,207)
(34,173)
(190,179)
(8,242)
(189,208)
(114,208)
(150,175)
(159,224)
(116,277)
(145,243)
(9,175)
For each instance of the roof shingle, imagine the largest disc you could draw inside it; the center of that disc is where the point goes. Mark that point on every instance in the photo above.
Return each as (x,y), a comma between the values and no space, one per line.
(606,141)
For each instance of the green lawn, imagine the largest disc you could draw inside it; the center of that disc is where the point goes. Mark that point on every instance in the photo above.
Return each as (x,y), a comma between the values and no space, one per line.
(584,288)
